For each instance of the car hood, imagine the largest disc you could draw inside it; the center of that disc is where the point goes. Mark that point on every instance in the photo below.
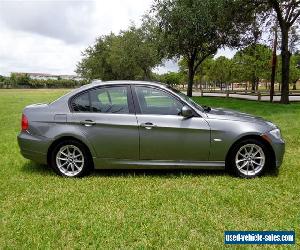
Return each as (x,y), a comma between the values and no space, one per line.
(227,114)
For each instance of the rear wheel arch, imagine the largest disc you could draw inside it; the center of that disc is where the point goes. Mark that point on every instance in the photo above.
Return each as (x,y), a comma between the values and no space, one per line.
(255,137)
(66,138)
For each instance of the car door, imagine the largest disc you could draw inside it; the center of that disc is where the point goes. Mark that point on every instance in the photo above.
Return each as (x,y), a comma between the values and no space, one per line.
(164,133)
(105,116)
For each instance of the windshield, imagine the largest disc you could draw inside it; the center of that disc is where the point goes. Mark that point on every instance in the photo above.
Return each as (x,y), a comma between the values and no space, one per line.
(186,98)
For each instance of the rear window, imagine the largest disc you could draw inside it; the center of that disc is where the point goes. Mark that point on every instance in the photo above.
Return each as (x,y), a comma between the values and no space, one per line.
(81,103)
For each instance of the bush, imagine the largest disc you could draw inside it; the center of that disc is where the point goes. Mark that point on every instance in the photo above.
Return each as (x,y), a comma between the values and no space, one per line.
(23,81)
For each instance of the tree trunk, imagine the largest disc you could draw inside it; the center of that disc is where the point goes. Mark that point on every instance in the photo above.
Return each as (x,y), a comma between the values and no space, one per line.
(274,61)
(191,75)
(253,87)
(285,55)
(146,74)
(294,85)
(256,84)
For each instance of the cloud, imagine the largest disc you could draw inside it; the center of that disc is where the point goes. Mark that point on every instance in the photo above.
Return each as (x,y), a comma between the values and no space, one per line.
(65,20)
(36,53)
(48,36)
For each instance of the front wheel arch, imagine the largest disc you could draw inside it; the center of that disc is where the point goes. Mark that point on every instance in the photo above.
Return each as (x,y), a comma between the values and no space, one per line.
(256,137)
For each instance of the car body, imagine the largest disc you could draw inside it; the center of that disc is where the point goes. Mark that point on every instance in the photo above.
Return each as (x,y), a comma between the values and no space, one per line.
(136,124)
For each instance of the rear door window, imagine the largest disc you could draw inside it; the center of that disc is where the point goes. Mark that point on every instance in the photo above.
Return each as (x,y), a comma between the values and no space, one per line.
(110,100)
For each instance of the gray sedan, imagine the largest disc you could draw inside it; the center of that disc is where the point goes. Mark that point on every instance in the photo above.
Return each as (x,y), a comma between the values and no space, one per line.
(128,124)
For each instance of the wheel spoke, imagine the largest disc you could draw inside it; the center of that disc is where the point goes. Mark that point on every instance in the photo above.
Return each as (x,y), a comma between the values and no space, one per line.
(241,160)
(244,165)
(251,150)
(68,151)
(62,159)
(258,164)
(63,153)
(247,167)
(76,165)
(259,157)
(67,168)
(253,168)
(64,164)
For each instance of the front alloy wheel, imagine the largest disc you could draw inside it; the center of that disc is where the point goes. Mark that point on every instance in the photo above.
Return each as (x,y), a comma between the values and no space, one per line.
(249,158)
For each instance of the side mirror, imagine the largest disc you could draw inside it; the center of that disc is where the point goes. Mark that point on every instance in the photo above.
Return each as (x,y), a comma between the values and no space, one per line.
(186,111)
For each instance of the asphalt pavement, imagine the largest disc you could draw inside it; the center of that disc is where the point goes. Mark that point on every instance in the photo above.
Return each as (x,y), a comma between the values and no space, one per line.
(265,98)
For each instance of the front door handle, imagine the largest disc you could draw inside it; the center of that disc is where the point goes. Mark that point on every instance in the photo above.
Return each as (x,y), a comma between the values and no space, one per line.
(147,125)
(88,123)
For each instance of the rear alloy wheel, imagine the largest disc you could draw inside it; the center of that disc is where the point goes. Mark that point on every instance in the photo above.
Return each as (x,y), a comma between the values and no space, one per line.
(70,159)
(249,158)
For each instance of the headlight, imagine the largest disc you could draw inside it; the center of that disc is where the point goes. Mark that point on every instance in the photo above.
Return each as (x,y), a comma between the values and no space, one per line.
(276,133)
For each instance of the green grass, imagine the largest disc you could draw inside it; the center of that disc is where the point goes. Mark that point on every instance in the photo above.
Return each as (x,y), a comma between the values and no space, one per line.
(141,209)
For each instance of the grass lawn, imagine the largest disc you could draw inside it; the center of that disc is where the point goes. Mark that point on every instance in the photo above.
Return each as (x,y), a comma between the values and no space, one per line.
(141,209)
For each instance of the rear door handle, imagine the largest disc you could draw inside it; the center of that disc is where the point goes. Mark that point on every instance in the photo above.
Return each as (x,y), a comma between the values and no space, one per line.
(88,123)
(147,125)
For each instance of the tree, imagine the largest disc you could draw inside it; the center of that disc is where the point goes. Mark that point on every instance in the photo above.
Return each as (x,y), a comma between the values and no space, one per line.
(130,55)
(19,79)
(295,69)
(94,64)
(133,55)
(288,12)
(195,29)
(294,75)
(221,71)
(171,78)
(252,64)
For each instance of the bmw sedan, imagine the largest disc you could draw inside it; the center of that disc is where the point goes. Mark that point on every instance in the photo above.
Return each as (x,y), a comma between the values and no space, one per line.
(129,124)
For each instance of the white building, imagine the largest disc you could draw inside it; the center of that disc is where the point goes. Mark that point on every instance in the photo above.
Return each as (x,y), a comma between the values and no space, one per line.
(45,76)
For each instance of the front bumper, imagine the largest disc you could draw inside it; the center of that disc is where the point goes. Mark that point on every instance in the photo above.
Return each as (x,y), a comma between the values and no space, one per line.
(279,149)
(34,147)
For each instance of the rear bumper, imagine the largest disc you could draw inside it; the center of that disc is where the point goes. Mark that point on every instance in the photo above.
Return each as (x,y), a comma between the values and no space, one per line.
(34,147)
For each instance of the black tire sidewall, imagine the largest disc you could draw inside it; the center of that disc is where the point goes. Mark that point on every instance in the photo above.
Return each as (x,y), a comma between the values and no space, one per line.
(87,161)
(231,159)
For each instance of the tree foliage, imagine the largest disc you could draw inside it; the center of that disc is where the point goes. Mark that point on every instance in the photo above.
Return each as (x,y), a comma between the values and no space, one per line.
(172,78)
(252,64)
(195,29)
(129,55)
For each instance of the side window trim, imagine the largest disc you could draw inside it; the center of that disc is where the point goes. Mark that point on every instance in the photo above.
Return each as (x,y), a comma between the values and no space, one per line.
(131,106)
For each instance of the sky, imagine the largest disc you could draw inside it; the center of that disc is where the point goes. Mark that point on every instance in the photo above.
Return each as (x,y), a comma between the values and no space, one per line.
(48,36)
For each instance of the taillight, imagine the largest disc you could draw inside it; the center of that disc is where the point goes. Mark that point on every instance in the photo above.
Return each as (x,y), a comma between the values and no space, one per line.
(24,123)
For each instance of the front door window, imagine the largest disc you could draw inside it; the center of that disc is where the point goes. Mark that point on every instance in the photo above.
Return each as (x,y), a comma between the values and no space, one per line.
(157,102)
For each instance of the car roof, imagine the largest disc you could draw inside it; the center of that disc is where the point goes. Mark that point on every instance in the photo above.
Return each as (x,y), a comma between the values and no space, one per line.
(120,82)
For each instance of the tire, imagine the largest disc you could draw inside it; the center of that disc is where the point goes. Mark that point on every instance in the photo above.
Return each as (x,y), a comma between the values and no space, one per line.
(249,158)
(71,158)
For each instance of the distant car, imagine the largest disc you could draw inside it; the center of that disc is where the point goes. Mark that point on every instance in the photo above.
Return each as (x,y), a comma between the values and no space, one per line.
(127,124)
